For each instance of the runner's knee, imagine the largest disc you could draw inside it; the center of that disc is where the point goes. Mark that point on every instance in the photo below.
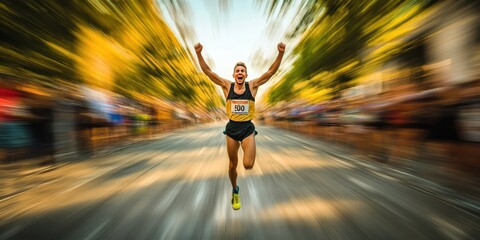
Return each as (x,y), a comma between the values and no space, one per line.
(248,166)
(232,165)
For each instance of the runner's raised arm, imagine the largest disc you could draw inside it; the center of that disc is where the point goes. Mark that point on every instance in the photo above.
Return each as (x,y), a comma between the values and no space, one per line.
(272,70)
(225,84)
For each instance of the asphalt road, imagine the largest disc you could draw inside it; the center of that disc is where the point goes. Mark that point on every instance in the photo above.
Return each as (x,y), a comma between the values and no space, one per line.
(176,187)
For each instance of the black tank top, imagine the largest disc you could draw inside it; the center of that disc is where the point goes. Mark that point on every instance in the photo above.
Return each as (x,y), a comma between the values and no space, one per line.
(245,95)
(240,107)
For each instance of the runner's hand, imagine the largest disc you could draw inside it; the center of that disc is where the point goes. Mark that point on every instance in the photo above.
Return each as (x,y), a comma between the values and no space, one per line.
(198,47)
(281,47)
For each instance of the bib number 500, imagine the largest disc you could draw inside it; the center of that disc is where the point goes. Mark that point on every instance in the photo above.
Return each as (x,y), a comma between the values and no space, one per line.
(239,108)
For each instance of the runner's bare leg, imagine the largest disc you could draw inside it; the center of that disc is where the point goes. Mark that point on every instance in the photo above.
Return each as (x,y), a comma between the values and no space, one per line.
(249,151)
(232,150)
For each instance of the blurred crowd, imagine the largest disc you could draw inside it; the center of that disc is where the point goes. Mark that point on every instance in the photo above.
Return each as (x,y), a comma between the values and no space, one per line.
(416,126)
(70,120)
(418,110)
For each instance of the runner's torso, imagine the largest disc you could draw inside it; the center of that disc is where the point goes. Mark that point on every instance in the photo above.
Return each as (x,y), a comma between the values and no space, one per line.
(240,107)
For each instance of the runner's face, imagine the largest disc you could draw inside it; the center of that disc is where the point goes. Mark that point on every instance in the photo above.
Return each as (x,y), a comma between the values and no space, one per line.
(240,74)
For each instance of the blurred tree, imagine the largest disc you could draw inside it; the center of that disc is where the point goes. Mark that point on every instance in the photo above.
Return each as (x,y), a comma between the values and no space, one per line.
(33,32)
(335,37)
(120,45)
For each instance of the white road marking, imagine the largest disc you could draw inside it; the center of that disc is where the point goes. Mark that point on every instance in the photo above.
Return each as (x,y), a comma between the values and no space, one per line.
(345,163)
(167,200)
(385,176)
(308,148)
(361,184)
(97,230)
(10,233)
(201,189)
(449,229)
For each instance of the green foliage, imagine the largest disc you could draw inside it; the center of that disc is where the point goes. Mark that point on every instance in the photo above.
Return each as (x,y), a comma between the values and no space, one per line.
(121,45)
(335,34)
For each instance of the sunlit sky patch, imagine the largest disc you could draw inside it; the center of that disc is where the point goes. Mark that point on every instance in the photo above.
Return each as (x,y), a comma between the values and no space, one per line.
(230,31)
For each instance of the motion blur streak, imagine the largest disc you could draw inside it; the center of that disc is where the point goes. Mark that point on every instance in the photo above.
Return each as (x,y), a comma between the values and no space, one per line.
(369,130)
(151,188)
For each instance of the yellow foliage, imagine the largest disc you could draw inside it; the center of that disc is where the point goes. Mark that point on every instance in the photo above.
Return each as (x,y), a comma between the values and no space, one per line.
(315,95)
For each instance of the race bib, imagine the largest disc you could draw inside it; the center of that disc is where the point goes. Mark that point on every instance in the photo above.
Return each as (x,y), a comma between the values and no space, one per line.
(240,106)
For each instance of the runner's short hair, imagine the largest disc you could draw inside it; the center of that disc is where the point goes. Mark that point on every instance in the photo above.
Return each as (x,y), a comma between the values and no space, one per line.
(240,64)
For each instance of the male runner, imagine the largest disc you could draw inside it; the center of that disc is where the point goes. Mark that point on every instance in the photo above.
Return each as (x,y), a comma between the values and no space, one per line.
(240,97)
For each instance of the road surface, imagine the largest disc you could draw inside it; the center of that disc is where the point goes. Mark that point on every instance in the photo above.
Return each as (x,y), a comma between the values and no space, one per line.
(176,187)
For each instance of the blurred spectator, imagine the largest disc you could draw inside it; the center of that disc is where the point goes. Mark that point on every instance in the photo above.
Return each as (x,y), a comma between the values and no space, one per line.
(41,125)
(469,112)
(468,122)
(154,121)
(99,106)
(15,136)
(84,124)
(141,121)
(64,125)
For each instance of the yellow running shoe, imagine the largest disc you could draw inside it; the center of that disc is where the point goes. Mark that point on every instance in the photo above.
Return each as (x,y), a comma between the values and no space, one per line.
(236,200)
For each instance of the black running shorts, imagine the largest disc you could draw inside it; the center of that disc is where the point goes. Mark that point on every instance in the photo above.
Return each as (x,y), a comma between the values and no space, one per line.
(239,130)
